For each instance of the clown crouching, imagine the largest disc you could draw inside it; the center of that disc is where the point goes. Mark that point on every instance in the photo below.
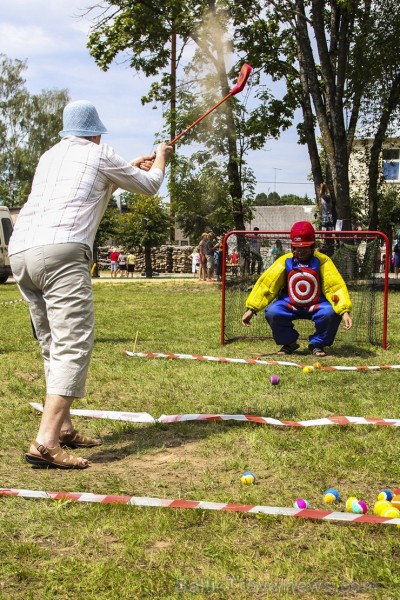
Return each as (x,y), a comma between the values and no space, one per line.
(303,284)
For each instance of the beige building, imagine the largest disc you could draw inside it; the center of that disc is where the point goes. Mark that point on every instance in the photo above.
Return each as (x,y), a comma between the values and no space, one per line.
(358,165)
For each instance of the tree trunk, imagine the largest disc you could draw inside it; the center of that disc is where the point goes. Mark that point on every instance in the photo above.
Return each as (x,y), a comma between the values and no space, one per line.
(309,131)
(328,98)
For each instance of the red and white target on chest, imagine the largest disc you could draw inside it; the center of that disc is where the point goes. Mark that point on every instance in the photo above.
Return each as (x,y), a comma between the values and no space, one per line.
(304,287)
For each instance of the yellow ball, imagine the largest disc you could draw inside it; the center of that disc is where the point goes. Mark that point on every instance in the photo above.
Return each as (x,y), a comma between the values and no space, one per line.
(391,513)
(248,478)
(317,365)
(329,498)
(308,369)
(381,506)
(349,503)
(396,501)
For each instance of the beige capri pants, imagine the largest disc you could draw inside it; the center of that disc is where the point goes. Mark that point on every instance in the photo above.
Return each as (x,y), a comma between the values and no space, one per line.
(55,280)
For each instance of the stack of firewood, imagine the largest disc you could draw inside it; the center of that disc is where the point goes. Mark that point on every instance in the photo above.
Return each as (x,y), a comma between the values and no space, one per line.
(167,259)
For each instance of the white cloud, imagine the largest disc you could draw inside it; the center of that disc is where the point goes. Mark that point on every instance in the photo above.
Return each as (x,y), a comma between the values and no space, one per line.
(24,41)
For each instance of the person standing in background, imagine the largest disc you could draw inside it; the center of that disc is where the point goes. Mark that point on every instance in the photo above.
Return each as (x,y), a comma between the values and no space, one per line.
(203,258)
(218,254)
(114,267)
(195,256)
(326,207)
(277,250)
(131,262)
(122,264)
(234,259)
(396,262)
(210,261)
(255,253)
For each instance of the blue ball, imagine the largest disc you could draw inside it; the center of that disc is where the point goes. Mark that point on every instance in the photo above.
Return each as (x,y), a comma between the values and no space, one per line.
(385,495)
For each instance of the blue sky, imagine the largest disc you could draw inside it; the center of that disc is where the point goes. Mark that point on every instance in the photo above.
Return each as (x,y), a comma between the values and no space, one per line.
(52,35)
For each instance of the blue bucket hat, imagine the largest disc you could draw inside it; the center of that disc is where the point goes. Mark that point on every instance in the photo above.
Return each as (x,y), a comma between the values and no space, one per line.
(80,118)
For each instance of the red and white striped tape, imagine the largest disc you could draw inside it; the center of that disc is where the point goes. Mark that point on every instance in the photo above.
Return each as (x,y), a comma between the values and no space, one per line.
(114,415)
(256,361)
(253,509)
(146,418)
(204,358)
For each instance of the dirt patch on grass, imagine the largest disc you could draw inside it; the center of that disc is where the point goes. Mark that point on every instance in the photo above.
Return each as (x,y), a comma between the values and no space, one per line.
(165,464)
(28,376)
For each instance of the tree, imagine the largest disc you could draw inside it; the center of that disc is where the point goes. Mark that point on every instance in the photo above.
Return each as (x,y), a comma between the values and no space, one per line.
(380,106)
(203,202)
(261,199)
(329,53)
(29,124)
(389,210)
(145,30)
(292,199)
(326,51)
(147,224)
(273,199)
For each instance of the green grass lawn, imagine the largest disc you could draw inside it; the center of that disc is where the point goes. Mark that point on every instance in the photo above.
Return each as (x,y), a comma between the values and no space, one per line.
(63,550)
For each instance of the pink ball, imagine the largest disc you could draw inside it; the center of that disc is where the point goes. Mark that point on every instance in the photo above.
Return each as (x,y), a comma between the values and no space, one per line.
(274,379)
(363,507)
(300,503)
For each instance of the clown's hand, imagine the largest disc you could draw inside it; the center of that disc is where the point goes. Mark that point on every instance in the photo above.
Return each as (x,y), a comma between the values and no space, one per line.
(347,320)
(247,316)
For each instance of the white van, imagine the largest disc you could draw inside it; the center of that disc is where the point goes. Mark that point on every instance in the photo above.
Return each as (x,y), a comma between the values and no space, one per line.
(6,228)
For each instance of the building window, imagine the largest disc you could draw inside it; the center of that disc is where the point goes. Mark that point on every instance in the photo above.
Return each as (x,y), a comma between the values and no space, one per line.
(391,161)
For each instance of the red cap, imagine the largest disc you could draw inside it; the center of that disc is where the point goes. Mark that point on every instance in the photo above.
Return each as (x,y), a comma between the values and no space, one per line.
(302,234)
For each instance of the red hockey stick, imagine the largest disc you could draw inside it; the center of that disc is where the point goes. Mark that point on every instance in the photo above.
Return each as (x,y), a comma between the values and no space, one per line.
(241,82)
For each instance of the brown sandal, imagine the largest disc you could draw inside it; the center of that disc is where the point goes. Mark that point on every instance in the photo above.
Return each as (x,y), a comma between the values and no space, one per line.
(77,440)
(53,458)
(317,351)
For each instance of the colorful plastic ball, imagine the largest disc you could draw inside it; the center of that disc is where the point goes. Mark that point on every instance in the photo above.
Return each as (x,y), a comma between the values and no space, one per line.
(248,478)
(274,379)
(349,503)
(385,495)
(391,513)
(300,503)
(359,507)
(307,369)
(335,298)
(396,501)
(331,496)
(381,506)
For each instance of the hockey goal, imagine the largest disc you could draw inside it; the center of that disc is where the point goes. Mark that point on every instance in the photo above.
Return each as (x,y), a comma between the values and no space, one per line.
(362,258)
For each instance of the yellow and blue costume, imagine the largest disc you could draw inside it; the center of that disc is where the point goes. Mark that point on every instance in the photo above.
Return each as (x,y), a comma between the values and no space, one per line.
(291,290)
